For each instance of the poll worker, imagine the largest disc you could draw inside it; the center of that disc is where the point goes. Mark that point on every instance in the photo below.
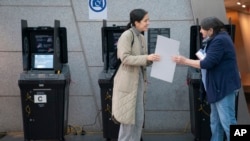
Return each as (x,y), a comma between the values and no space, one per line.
(220,75)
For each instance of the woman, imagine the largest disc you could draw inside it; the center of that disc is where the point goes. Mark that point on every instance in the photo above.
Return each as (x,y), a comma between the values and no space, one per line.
(130,79)
(220,75)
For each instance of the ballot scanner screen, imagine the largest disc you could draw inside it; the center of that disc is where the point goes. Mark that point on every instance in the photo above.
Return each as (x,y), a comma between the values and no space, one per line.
(43,61)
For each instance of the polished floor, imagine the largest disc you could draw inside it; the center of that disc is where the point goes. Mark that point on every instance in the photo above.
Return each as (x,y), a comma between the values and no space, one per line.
(99,137)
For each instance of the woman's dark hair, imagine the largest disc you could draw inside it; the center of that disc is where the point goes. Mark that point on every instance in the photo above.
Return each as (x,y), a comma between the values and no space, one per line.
(136,15)
(214,23)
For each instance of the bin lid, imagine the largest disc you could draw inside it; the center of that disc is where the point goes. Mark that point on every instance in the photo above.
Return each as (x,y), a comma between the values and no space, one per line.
(105,79)
(193,76)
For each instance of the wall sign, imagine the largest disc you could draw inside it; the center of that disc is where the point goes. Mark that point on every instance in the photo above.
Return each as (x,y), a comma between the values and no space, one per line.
(97,9)
(152,37)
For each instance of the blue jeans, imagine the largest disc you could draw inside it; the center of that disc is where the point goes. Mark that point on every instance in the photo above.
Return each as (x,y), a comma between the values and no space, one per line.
(222,116)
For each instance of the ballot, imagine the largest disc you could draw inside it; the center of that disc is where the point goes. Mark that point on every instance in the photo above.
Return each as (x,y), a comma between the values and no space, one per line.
(165,68)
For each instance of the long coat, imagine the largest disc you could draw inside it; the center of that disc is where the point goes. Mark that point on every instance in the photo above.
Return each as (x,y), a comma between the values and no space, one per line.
(134,59)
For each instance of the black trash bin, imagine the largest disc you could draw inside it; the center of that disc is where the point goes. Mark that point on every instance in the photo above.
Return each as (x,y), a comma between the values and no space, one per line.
(44,98)
(110,129)
(199,108)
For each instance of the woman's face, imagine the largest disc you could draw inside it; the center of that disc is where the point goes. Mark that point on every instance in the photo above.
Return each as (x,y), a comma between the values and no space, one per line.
(143,24)
(206,33)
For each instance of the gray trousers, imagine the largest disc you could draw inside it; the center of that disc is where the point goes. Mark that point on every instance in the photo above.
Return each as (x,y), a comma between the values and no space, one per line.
(129,132)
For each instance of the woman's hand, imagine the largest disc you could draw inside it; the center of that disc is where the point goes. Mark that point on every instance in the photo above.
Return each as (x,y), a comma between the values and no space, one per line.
(153,57)
(179,59)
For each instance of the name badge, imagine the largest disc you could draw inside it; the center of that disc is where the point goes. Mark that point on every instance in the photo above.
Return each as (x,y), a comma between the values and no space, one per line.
(200,54)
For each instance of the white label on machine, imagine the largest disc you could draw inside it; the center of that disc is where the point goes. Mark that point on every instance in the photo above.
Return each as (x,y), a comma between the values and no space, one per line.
(40,98)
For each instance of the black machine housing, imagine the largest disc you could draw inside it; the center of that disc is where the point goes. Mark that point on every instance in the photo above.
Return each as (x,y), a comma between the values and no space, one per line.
(196,38)
(44,82)
(44,48)
(110,36)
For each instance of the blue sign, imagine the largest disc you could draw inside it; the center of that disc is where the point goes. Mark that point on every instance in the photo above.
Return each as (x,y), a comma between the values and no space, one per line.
(97,5)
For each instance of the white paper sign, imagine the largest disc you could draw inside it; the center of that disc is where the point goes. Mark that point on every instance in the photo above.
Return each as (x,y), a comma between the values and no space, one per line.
(40,98)
(165,68)
(97,9)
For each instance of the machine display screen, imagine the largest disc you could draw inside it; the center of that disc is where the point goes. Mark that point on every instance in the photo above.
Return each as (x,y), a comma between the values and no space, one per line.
(43,61)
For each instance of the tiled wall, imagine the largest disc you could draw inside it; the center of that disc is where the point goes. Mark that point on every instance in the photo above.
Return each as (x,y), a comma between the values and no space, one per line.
(167,104)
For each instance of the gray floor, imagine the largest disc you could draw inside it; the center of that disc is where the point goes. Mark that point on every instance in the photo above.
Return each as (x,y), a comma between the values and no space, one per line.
(99,137)
(243,118)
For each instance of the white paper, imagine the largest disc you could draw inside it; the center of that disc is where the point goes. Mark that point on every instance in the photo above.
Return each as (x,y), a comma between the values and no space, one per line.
(165,68)
(97,9)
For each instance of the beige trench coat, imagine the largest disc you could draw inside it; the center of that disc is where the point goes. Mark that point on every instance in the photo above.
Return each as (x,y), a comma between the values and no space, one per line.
(127,77)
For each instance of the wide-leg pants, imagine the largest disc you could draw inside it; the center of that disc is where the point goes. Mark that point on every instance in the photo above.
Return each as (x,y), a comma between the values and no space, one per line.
(133,132)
